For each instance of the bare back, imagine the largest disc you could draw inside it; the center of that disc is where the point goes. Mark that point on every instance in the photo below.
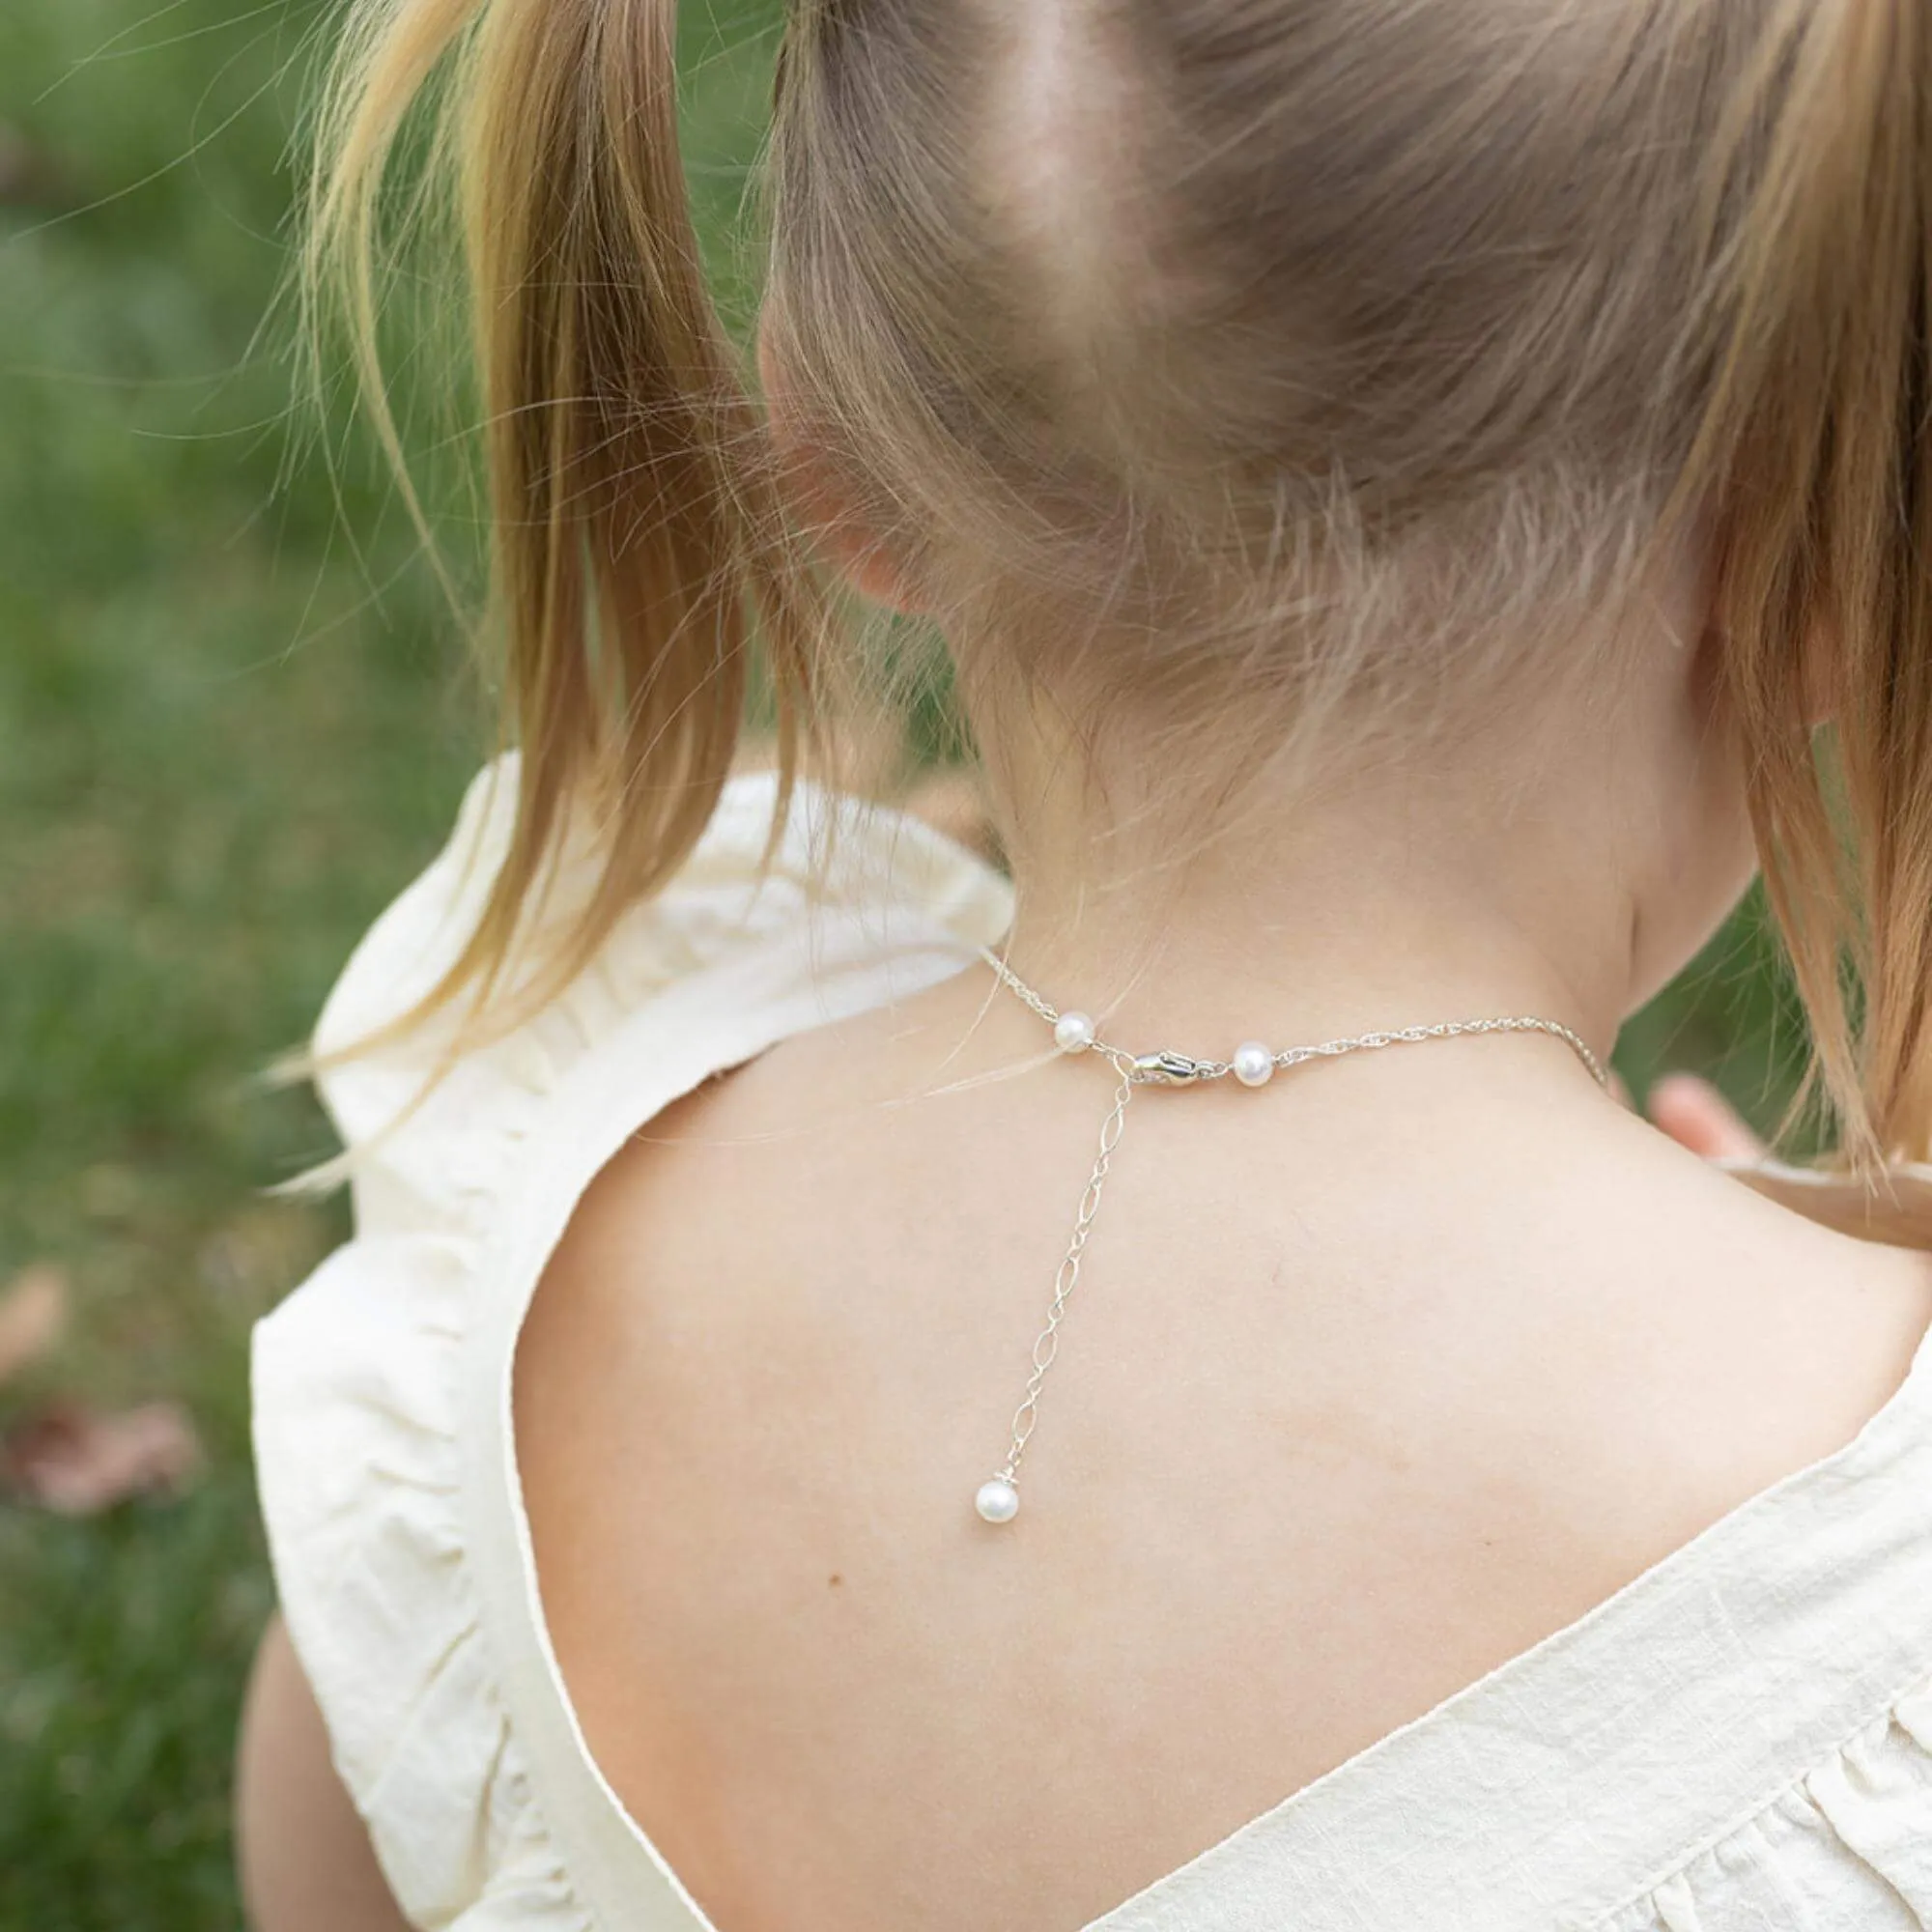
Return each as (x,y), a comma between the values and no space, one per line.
(1365,1393)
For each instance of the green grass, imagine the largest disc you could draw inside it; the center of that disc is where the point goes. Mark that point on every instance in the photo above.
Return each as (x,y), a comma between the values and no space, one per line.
(229,727)
(228,732)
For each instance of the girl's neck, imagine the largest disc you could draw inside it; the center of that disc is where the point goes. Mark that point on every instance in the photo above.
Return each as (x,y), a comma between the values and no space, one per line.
(1294,951)
(1458,888)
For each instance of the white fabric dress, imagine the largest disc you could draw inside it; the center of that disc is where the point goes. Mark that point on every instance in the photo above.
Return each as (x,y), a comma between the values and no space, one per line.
(1739,1741)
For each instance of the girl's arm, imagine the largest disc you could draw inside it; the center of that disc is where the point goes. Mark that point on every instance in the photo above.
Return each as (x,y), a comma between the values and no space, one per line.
(306,1860)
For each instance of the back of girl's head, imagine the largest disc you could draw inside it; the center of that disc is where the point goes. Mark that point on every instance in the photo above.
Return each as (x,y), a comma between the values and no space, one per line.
(1231,368)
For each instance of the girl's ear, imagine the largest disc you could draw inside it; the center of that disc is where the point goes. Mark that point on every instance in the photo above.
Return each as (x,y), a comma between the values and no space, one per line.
(821,510)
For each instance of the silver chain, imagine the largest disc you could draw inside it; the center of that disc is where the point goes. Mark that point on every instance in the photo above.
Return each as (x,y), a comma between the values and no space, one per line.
(1046,1344)
(1293,1056)
(998,1499)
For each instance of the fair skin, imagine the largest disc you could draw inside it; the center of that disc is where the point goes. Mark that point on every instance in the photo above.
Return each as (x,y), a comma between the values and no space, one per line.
(306,1863)
(1376,1378)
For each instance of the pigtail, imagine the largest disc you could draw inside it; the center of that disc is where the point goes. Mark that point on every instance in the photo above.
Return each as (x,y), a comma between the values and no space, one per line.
(1818,454)
(640,555)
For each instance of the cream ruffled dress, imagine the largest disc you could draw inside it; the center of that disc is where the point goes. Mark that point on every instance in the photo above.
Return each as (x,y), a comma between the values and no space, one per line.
(1739,1741)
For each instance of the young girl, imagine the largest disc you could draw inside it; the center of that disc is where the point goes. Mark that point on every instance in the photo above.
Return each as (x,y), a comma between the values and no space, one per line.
(1402,488)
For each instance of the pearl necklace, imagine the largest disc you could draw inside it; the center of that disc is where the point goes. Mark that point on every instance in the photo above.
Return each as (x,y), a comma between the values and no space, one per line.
(1253,1064)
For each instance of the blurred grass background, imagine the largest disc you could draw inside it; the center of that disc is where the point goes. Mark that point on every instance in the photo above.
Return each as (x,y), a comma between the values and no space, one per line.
(231,726)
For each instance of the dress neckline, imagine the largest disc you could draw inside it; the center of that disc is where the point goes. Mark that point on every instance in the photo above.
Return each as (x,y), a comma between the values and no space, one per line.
(1653,1675)
(1722,1557)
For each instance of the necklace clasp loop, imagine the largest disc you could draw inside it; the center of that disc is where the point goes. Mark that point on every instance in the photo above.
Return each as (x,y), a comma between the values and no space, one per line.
(1168,1068)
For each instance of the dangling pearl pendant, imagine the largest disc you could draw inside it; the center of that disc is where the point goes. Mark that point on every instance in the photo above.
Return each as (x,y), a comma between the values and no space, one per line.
(997,1499)
(1253,1064)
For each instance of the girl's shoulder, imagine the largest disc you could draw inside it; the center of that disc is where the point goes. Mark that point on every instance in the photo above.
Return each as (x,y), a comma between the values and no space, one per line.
(380,1385)
(842,883)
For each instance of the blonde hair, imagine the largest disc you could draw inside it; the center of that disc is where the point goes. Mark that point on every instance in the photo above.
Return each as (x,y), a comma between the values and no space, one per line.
(1182,352)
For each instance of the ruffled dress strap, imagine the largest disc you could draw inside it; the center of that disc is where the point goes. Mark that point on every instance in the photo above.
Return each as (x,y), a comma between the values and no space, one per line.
(380,1385)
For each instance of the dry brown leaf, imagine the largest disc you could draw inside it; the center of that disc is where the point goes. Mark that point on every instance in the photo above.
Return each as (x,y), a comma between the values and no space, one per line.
(28,175)
(79,1462)
(33,1312)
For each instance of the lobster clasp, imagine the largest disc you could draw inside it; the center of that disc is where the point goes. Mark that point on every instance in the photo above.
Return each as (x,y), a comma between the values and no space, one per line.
(1167,1068)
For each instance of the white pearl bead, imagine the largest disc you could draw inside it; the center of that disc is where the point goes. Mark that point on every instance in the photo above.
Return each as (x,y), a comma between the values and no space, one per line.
(1073,1033)
(997,1500)
(1253,1064)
